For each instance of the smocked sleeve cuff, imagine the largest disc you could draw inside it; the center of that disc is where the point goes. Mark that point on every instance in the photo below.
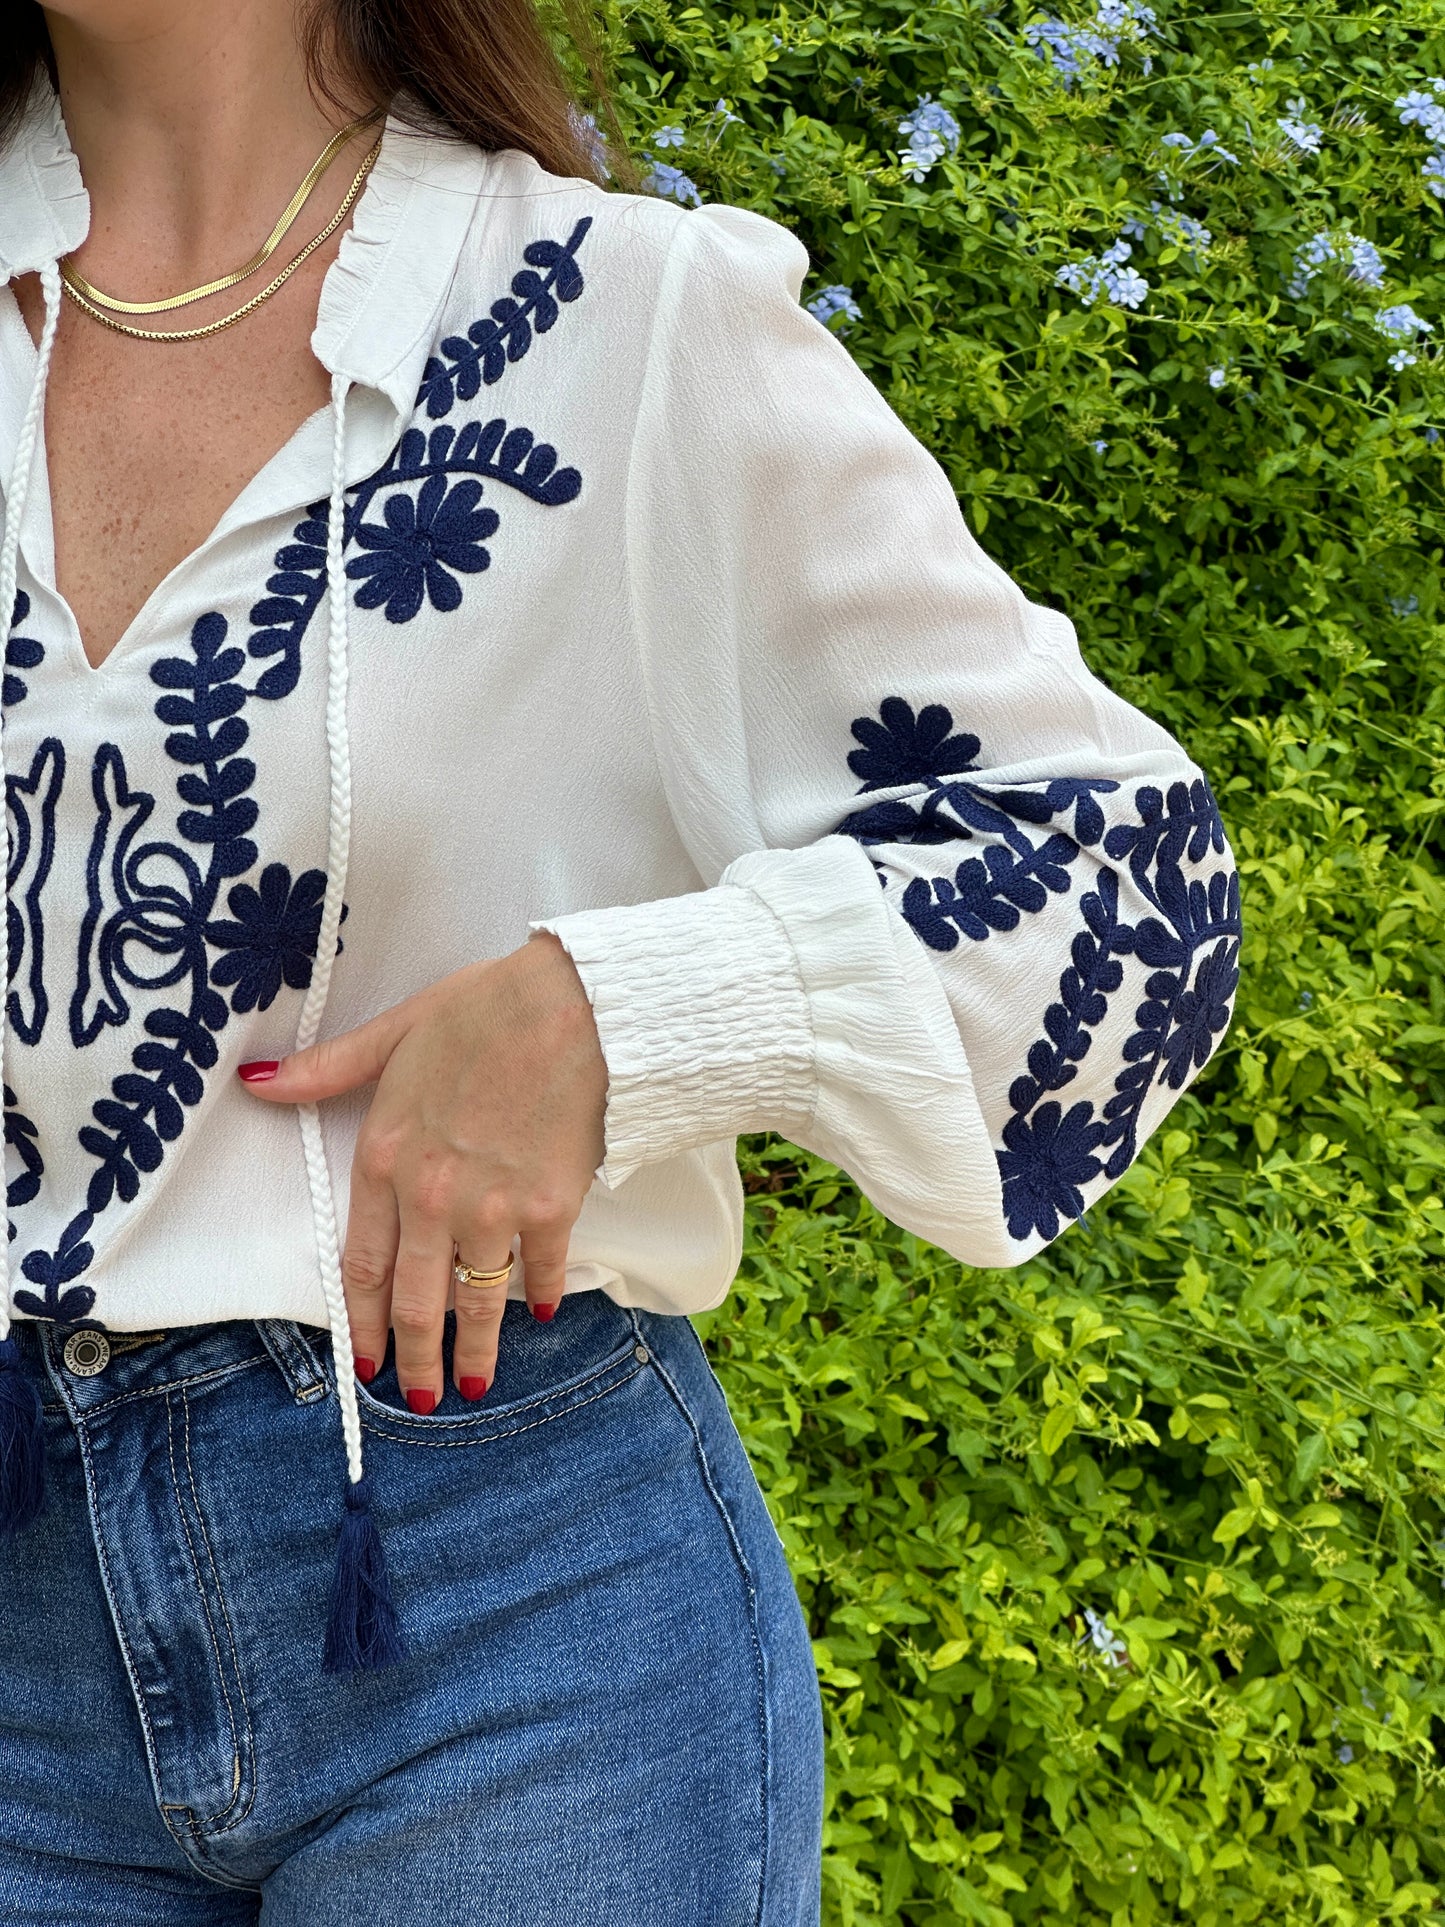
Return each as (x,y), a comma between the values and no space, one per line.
(703,1020)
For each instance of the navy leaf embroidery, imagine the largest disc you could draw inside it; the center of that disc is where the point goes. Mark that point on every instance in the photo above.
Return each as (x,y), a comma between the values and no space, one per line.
(1189,948)
(505,334)
(23,1139)
(21,652)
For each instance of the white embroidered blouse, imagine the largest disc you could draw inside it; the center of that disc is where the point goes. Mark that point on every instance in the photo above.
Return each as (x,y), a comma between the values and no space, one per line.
(654,627)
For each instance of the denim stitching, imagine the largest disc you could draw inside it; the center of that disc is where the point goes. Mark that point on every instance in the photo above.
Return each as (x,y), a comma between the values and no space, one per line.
(485,1418)
(752,1597)
(250,1747)
(450,1445)
(205,1608)
(171,1385)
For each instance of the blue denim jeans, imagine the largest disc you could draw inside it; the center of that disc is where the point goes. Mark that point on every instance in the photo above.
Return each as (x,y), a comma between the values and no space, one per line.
(608,1714)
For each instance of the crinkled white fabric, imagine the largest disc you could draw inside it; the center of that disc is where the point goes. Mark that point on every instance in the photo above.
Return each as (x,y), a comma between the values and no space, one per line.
(631,580)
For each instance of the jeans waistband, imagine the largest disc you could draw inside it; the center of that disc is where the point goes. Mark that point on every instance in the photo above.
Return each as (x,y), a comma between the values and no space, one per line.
(90,1368)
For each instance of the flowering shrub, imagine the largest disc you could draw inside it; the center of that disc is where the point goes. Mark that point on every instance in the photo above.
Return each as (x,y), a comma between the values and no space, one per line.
(1126,1569)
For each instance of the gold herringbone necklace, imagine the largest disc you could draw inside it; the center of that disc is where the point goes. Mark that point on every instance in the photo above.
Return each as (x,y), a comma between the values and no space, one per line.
(89,298)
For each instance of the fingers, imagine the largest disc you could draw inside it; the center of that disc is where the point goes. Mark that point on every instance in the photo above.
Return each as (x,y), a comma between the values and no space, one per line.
(544,1258)
(421,1291)
(335,1065)
(372,1230)
(479,1311)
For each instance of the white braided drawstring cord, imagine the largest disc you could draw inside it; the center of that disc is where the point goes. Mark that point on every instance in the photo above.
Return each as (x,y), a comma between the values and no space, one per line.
(323,1202)
(15,496)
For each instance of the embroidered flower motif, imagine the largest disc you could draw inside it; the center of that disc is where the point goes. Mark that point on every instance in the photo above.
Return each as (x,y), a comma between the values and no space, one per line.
(904,748)
(1046,1158)
(273,938)
(21,652)
(442,530)
(1200,1014)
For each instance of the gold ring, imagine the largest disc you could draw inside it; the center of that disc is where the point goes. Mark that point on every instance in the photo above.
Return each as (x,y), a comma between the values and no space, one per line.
(466,1274)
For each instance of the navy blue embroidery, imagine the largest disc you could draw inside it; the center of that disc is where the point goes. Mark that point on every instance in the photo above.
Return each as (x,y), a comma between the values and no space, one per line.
(416,551)
(32,799)
(158,933)
(21,652)
(22,1137)
(1190,947)
(488,345)
(272,937)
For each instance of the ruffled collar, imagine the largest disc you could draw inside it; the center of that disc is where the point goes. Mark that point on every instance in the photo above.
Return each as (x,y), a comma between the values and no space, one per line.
(381,296)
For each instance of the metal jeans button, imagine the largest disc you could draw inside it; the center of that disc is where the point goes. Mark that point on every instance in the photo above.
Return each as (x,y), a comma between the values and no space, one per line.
(86,1354)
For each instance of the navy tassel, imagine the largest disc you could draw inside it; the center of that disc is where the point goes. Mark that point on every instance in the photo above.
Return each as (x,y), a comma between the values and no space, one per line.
(22,1442)
(362,1632)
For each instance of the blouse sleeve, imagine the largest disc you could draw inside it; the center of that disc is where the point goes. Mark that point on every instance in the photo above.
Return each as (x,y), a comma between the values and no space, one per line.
(970,922)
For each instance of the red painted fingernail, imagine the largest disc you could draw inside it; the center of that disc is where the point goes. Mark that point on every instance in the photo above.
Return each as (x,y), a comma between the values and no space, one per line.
(472,1388)
(421,1401)
(261,1072)
(365,1369)
(544,1312)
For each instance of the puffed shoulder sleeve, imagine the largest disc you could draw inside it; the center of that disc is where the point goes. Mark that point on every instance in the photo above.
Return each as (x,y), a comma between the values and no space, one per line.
(971,922)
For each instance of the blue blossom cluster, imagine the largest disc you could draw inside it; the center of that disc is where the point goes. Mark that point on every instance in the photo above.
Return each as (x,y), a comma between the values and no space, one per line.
(1182,229)
(669,137)
(672,184)
(1105,275)
(1359,258)
(1405,605)
(1103,1638)
(836,299)
(1401,324)
(1422,110)
(1306,135)
(1071,49)
(1208,143)
(931,132)
(593,140)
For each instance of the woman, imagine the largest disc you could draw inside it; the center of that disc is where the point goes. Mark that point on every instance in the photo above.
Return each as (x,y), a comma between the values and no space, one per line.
(496,705)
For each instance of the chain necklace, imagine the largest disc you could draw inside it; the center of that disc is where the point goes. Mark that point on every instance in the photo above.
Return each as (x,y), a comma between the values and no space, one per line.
(81,292)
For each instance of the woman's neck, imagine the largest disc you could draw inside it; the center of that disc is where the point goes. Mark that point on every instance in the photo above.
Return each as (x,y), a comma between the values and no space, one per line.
(192,121)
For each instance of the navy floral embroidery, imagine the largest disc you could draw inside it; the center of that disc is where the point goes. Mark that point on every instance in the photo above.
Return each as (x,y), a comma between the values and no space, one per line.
(21,652)
(32,801)
(1189,946)
(415,552)
(272,938)
(417,546)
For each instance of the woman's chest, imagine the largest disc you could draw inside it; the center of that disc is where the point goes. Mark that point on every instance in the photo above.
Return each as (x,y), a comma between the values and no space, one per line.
(147,444)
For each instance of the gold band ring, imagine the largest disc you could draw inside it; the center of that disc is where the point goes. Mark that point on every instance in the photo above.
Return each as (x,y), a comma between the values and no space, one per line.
(466,1274)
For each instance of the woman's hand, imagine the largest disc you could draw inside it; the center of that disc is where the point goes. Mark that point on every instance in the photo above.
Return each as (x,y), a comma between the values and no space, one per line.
(486,1124)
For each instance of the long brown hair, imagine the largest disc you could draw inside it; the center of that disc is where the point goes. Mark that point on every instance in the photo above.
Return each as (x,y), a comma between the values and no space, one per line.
(482,71)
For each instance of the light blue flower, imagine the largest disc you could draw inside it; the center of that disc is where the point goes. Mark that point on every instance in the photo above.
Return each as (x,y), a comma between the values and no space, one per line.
(1433,171)
(1306,998)
(1217,376)
(1100,447)
(932,132)
(721,107)
(1432,435)
(1103,1638)
(672,184)
(1070,49)
(1401,360)
(669,137)
(592,139)
(834,300)
(1401,323)
(1306,135)
(1208,144)
(1419,110)
(1104,275)
(1182,229)
(1178,140)
(1360,259)
(1259,66)
(1405,605)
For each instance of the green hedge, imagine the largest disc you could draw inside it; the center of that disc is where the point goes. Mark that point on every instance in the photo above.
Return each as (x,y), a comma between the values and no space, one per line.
(1125,1568)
